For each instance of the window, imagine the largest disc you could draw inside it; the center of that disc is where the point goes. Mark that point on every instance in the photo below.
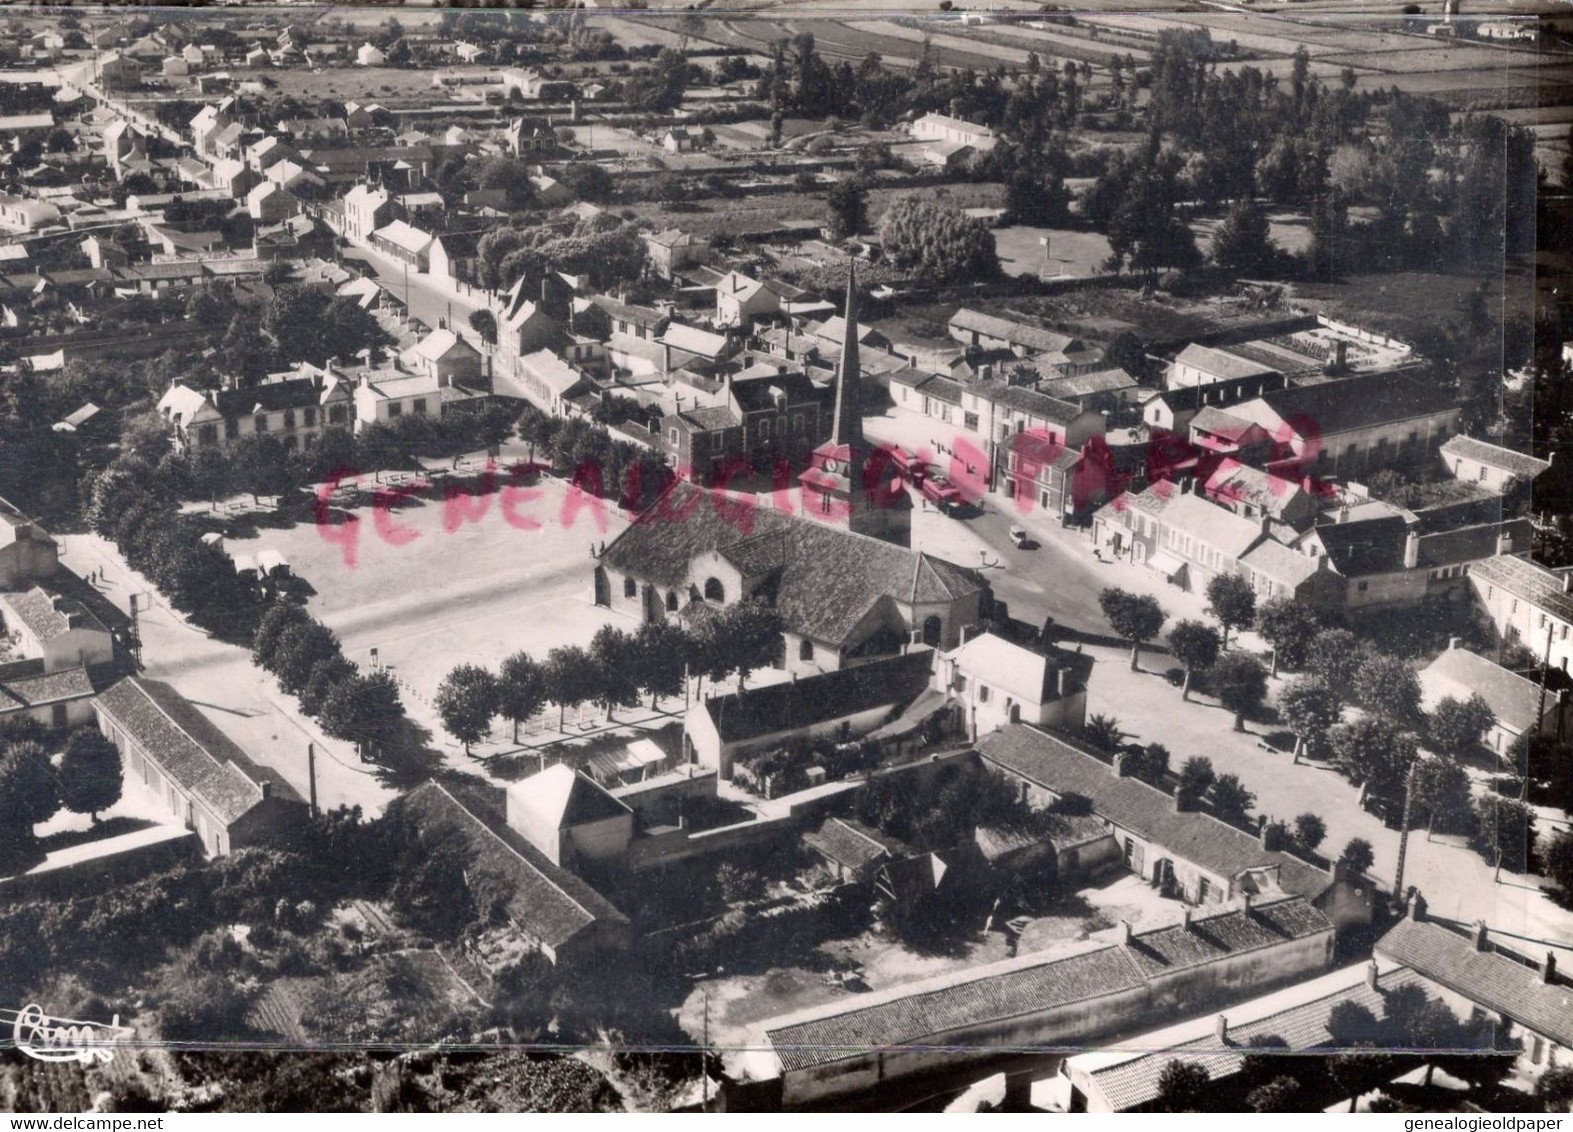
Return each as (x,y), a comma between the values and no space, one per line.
(1364,586)
(764,430)
(395,410)
(714,590)
(1204,891)
(630,588)
(260,423)
(231,428)
(337,414)
(57,715)
(805,650)
(309,414)
(207,434)
(983,693)
(289,418)
(419,407)
(959,682)
(798,424)
(671,601)
(1130,851)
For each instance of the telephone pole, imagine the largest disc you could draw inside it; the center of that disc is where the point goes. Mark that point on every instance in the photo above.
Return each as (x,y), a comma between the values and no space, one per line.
(311,773)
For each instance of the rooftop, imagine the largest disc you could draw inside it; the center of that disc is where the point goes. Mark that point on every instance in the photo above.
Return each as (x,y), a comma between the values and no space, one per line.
(1546,589)
(797,704)
(1459,673)
(1495,456)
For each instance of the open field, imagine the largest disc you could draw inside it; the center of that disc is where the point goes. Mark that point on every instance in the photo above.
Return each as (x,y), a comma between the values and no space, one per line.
(1069,252)
(767,212)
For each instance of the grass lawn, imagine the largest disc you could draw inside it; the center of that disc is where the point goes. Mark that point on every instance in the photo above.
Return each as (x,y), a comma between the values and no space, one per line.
(1400,303)
(1069,252)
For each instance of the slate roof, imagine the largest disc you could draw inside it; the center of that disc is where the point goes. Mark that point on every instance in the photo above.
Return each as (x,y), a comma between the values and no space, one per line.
(1373,546)
(829,577)
(1474,543)
(1495,456)
(1460,673)
(1232,535)
(548,902)
(1486,978)
(796,704)
(1527,580)
(941,1010)
(1016,333)
(269,397)
(1025,400)
(189,749)
(1054,763)
(753,394)
(1086,384)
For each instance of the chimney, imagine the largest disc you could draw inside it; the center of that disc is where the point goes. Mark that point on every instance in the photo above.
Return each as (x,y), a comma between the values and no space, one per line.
(1245,903)
(1125,932)
(1340,354)
(1181,802)
(1504,541)
(1343,513)
(1267,524)
(1548,970)
(1411,550)
(1185,918)
(666,361)
(1567,581)
(1417,907)
(1121,767)
(1221,1029)
(1372,975)
(1059,682)
(1480,936)
(266,787)
(1453,643)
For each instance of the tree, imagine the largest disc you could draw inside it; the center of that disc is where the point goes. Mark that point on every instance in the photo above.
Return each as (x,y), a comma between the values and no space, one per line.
(1103,732)
(1357,856)
(609,651)
(1281,1094)
(1243,243)
(1309,831)
(1232,601)
(1196,776)
(1558,863)
(1290,627)
(937,243)
(28,794)
(588,181)
(1149,763)
(1195,645)
(1311,711)
(1554,1090)
(1230,799)
(1136,617)
(326,674)
(1374,755)
(848,202)
(660,651)
(751,632)
(571,678)
(1455,727)
(1182,1087)
(260,466)
(521,689)
(363,709)
(1504,831)
(466,701)
(1334,659)
(299,649)
(507,176)
(1442,790)
(90,774)
(484,323)
(276,620)
(1388,687)
(1240,683)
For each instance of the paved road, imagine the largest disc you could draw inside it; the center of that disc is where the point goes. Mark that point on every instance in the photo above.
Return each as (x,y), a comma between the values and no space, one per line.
(425,300)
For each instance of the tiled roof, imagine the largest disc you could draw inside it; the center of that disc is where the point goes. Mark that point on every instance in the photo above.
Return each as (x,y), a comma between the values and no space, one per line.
(830,577)
(1517,463)
(548,902)
(1356,402)
(1282,564)
(754,394)
(1027,674)
(1220,363)
(1208,938)
(1129,1082)
(851,843)
(1054,763)
(44,618)
(799,704)
(1460,674)
(1486,978)
(1529,581)
(1241,483)
(269,397)
(1232,535)
(944,1009)
(188,748)
(1025,400)
(1016,333)
(1085,384)
(1474,543)
(45,688)
(1358,548)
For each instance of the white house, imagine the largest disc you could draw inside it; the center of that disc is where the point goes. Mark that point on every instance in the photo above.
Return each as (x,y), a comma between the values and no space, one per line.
(998,682)
(368,55)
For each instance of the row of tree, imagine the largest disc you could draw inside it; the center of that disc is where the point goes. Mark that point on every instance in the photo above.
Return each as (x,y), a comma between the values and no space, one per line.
(614,671)
(33,788)
(306,657)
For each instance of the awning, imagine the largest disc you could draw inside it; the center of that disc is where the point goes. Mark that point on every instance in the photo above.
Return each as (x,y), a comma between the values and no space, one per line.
(1166,564)
(635,759)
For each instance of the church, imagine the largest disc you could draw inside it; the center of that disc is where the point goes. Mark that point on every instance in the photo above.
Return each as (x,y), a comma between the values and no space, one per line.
(839,570)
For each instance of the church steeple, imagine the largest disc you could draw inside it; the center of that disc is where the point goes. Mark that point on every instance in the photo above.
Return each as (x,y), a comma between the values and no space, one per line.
(835,487)
(847,425)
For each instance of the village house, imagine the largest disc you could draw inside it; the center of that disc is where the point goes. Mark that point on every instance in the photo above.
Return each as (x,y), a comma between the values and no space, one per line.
(1172,411)
(944,128)
(673,251)
(1101,988)
(524,328)
(991,334)
(1516,703)
(60,631)
(454,255)
(757,420)
(207,783)
(739,300)
(998,682)
(24,214)
(1481,975)
(1205,365)
(1527,603)
(570,817)
(382,396)
(369,55)
(295,408)
(404,242)
(555,912)
(269,203)
(545,380)
(447,358)
(1490,466)
(365,210)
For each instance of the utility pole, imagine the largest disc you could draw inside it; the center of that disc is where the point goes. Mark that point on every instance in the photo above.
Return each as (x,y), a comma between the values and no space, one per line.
(1403,833)
(704,1059)
(311,772)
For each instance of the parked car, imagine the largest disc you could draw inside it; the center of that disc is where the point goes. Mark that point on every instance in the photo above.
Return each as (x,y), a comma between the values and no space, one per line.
(940,491)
